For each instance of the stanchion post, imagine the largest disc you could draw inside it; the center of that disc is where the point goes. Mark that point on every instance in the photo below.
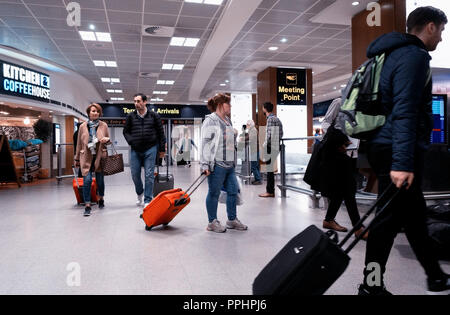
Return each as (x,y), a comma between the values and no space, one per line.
(283,169)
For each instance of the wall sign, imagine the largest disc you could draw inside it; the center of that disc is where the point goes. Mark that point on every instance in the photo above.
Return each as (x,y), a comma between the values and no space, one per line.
(165,111)
(291,86)
(24,82)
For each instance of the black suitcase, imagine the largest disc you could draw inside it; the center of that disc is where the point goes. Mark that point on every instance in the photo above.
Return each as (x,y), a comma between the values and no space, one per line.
(313,260)
(162,182)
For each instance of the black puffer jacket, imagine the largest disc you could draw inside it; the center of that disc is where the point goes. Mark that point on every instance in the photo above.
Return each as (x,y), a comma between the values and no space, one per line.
(144,133)
(406,94)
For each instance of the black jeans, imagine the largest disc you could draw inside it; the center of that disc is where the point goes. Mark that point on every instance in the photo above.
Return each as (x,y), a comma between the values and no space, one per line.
(408,210)
(335,203)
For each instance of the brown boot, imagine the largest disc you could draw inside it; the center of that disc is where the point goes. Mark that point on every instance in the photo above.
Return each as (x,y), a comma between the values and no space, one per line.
(267,195)
(333,225)
(358,233)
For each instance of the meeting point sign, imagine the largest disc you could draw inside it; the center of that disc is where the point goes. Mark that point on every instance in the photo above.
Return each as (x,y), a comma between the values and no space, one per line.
(291,86)
(19,81)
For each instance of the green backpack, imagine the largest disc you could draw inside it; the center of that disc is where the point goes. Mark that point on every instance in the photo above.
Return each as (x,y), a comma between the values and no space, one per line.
(361,112)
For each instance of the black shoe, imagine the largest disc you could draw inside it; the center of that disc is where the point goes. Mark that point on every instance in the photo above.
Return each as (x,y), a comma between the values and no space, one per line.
(373,291)
(101,204)
(87,211)
(256,182)
(439,287)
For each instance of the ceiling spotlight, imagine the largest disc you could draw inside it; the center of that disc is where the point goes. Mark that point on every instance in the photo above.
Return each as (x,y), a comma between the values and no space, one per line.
(92,27)
(273,48)
(284,40)
(355,3)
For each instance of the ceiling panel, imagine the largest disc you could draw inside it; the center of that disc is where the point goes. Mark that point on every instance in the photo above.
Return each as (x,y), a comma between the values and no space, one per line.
(272,21)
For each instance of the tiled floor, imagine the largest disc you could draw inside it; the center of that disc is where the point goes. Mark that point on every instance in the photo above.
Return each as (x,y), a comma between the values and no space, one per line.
(42,231)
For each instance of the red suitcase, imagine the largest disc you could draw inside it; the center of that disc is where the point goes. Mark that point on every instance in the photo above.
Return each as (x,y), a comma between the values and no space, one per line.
(164,207)
(77,184)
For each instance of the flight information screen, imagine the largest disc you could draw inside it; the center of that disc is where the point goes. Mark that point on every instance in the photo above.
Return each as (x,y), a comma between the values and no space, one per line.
(438,135)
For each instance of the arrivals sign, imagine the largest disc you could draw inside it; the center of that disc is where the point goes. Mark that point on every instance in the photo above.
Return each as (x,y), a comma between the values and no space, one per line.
(164,111)
(24,82)
(291,86)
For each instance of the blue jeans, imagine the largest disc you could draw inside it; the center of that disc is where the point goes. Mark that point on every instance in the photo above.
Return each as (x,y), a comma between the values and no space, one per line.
(222,177)
(87,182)
(255,170)
(146,159)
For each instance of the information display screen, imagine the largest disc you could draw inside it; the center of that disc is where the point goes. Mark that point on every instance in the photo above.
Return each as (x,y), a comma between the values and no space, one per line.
(439,133)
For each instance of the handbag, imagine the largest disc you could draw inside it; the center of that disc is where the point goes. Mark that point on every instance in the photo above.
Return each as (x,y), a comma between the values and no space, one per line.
(112,164)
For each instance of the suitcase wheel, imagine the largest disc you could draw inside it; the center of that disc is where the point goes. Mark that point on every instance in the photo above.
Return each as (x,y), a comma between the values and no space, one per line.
(140,216)
(165,224)
(148,228)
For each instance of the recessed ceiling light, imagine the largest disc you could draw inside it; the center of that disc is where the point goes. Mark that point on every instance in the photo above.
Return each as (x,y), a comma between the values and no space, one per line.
(103,37)
(183,41)
(191,42)
(213,2)
(227,81)
(167,66)
(343,85)
(99,63)
(118,91)
(177,41)
(223,84)
(106,79)
(355,3)
(160,82)
(88,36)
(273,48)
(111,64)
(92,27)
(110,91)
(283,40)
(170,82)
(115,80)
(178,67)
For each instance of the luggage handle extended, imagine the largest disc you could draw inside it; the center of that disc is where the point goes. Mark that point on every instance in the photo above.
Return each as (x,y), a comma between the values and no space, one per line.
(167,167)
(374,206)
(75,175)
(182,200)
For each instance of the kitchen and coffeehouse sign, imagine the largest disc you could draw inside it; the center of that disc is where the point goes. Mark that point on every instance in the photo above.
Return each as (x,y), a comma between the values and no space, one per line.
(24,82)
(291,86)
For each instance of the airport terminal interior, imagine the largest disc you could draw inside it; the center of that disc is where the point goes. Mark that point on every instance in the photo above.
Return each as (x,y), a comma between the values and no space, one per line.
(58,57)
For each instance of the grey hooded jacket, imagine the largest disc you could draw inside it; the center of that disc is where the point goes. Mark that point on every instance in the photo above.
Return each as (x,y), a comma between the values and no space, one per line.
(218,144)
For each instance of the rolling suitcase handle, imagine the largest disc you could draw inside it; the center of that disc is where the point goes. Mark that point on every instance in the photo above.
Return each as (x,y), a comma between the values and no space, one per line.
(75,175)
(379,201)
(182,200)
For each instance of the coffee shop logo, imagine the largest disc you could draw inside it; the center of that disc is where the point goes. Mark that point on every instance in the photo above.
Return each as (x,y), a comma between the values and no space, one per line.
(291,79)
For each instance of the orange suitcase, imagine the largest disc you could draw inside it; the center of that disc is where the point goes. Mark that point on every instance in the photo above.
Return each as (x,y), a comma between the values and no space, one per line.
(77,184)
(164,207)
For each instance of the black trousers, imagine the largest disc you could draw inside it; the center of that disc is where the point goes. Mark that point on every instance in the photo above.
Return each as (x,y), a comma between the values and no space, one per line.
(335,203)
(270,187)
(407,211)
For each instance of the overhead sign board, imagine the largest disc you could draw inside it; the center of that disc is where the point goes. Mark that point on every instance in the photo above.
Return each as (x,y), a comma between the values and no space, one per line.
(20,81)
(291,86)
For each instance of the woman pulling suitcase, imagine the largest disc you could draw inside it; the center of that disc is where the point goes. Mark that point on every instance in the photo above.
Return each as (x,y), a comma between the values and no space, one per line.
(93,136)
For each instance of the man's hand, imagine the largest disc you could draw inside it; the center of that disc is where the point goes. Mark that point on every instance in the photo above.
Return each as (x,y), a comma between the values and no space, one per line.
(104,140)
(162,155)
(207,172)
(399,177)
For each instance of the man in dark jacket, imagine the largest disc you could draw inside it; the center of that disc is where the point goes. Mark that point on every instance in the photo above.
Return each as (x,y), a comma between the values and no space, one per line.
(396,153)
(144,132)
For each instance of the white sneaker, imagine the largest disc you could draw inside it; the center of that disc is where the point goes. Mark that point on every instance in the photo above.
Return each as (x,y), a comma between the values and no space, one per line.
(146,204)
(215,226)
(237,225)
(140,200)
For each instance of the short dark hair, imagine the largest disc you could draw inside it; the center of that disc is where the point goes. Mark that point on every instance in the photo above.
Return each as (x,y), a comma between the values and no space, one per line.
(143,96)
(268,106)
(421,16)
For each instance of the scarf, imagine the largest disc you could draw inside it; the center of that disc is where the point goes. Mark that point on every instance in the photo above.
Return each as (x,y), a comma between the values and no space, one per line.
(92,126)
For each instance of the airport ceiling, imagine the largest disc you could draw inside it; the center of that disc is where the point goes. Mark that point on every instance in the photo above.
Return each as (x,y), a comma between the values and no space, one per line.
(40,27)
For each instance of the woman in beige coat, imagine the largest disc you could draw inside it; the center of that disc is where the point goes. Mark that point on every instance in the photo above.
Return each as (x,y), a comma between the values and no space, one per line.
(93,137)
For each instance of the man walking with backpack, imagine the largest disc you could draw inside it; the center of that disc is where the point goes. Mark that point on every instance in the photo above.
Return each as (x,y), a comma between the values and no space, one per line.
(396,150)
